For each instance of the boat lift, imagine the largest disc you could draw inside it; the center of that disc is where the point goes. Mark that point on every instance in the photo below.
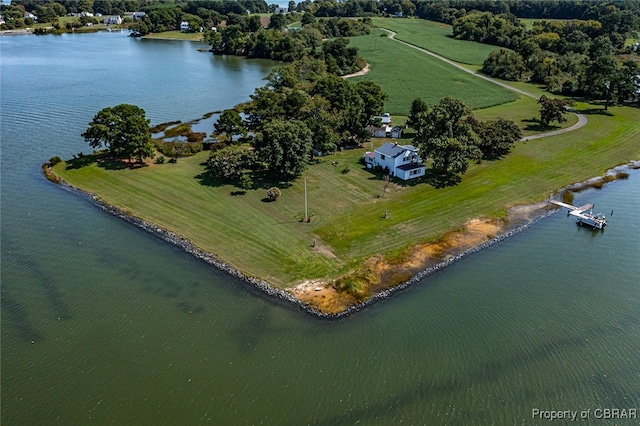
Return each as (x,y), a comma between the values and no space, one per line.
(596,221)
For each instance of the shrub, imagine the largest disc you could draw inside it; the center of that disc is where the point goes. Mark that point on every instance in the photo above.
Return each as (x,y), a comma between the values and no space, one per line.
(183,149)
(346,170)
(273,193)
(55,160)
(245,182)
(196,137)
(160,160)
(567,197)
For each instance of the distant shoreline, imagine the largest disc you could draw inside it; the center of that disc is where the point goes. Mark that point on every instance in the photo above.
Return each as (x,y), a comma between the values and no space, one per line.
(22,31)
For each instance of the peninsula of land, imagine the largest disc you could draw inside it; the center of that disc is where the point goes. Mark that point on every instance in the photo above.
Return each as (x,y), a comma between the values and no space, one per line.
(340,234)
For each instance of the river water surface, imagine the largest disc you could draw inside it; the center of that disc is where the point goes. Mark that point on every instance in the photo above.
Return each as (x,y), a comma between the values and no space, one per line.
(103,323)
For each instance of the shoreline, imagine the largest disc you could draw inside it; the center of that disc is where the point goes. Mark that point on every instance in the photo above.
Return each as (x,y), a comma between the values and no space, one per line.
(516,224)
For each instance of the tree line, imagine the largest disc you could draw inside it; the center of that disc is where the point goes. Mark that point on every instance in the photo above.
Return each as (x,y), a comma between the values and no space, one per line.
(567,57)
(242,36)
(303,108)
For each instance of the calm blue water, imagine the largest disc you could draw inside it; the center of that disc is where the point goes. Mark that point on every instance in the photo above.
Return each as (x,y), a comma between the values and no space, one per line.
(102,323)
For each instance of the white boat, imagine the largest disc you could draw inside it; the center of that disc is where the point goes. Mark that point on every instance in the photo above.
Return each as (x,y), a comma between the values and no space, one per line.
(596,221)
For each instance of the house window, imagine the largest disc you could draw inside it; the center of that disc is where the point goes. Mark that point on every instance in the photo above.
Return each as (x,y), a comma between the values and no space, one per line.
(382,157)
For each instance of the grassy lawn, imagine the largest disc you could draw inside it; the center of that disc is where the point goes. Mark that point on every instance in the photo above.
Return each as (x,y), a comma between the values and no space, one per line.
(268,240)
(428,78)
(176,35)
(436,37)
(525,112)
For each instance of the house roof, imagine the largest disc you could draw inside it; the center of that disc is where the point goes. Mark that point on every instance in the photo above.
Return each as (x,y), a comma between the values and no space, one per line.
(412,166)
(394,150)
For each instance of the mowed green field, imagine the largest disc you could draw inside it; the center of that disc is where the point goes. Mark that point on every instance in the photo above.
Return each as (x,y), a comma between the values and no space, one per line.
(405,74)
(436,37)
(175,35)
(269,241)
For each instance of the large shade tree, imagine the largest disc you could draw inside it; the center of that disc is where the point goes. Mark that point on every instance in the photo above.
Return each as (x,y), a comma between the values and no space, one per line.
(553,110)
(229,123)
(448,138)
(285,147)
(123,130)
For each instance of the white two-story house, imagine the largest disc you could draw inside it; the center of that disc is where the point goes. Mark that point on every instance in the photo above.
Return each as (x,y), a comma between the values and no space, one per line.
(402,161)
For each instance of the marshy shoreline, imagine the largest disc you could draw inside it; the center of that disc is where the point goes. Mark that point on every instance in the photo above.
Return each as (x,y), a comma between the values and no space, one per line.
(516,224)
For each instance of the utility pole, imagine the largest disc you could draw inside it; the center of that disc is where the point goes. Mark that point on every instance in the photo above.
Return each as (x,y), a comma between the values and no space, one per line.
(306,216)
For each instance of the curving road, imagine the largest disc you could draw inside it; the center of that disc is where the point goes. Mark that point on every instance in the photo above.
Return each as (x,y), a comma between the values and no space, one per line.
(582,119)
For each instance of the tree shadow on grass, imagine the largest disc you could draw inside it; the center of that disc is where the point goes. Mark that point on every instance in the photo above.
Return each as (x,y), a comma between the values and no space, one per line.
(104,161)
(261,180)
(206,179)
(85,160)
(537,126)
(595,111)
(439,179)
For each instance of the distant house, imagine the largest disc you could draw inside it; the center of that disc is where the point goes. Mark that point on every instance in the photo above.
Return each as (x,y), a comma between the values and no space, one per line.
(135,15)
(377,132)
(385,131)
(279,9)
(184,26)
(396,132)
(402,161)
(112,19)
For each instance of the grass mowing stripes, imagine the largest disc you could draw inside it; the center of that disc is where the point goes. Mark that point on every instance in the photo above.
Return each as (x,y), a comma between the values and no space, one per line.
(405,74)
(268,240)
(436,37)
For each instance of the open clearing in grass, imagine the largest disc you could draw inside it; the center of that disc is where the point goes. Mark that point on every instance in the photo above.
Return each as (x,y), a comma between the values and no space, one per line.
(525,112)
(405,74)
(436,37)
(175,35)
(267,240)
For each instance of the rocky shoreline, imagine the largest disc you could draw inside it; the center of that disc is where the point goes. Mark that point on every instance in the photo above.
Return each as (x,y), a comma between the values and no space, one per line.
(281,295)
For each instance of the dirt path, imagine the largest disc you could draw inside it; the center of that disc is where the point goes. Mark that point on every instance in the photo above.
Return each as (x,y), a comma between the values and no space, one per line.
(582,120)
(363,71)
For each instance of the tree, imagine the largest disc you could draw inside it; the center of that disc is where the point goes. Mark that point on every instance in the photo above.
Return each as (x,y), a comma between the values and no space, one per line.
(123,130)
(373,98)
(417,114)
(285,147)
(626,85)
(496,137)
(307,18)
(340,58)
(228,164)
(553,110)
(448,138)
(229,123)
(504,64)
(277,21)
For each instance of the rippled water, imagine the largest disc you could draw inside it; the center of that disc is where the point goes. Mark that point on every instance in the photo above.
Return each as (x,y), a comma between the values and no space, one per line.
(103,323)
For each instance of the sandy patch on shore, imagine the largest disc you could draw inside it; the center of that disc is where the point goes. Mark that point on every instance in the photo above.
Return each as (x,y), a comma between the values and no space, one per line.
(320,294)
